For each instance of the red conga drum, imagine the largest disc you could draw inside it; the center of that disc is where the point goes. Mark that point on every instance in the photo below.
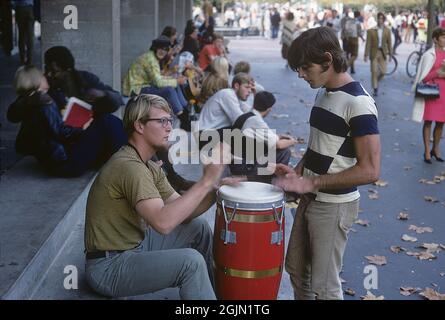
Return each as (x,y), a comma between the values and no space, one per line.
(248,243)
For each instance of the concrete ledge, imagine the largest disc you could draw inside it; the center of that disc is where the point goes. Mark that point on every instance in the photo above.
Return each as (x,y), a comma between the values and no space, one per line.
(37,214)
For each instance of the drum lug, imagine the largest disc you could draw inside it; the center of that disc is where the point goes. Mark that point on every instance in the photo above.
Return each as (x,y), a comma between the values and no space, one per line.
(277,237)
(228,237)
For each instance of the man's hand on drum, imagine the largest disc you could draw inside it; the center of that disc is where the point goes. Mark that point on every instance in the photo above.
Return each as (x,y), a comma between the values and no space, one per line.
(289,181)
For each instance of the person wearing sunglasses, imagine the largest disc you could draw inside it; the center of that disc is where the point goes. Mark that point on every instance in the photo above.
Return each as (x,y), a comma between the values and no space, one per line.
(140,235)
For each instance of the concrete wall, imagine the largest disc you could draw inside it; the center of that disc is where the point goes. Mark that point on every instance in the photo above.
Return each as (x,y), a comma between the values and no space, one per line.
(111,33)
(95,44)
(139,28)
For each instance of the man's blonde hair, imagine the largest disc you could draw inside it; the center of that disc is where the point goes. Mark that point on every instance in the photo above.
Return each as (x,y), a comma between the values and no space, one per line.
(27,79)
(138,109)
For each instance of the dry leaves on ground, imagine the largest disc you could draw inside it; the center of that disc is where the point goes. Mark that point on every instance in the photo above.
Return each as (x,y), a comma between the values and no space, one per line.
(350,292)
(403,216)
(377,260)
(364,223)
(373,194)
(397,249)
(432,294)
(407,291)
(430,199)
(381,183)
(370,296)
(408,238)
(425,255)
(420,229)
(431,247)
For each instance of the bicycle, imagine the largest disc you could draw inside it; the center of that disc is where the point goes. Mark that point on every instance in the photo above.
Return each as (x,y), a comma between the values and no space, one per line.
(412,64)
(391,66)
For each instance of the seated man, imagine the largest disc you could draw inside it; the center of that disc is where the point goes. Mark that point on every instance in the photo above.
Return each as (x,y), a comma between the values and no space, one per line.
(140,235)
(65,81)
(253,126)
(244,66)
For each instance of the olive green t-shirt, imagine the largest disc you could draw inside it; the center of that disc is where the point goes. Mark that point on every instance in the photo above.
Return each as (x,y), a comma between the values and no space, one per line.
(111,221)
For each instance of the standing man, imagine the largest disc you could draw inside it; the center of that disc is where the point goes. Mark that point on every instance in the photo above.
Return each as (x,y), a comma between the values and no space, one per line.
(140,235)
(378,48)
(6,27)
(24,14)
(343,152)
(275,20)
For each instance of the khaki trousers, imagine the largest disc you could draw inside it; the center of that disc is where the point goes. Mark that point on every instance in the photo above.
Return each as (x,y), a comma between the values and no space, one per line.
(315,252)
(378,69)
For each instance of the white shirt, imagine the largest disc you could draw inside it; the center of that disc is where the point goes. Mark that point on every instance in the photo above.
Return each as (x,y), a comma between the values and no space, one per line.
(256,128)
(221,110)
(380,35)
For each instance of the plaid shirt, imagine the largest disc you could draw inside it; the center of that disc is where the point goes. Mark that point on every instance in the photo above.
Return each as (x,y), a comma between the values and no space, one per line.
(146,72)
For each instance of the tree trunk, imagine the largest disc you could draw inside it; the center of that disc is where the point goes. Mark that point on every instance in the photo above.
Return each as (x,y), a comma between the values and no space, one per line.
(431,22)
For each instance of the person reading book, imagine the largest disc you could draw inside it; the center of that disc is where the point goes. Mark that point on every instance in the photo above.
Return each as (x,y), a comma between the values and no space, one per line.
(61,149)
(66,81)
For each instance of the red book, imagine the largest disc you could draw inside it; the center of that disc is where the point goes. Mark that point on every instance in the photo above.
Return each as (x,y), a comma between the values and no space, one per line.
(77,113)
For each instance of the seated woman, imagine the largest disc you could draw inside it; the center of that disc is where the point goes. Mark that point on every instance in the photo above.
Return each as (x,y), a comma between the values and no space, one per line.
(61,150)
(191,43)
(175,48)
(211,51)
(216,80)
(144,76)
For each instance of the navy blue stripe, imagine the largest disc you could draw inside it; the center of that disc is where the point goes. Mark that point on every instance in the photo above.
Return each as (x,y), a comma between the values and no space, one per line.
(352,88)
(347,148)
(328,122)
(317,162)
(339,191)
(363,125)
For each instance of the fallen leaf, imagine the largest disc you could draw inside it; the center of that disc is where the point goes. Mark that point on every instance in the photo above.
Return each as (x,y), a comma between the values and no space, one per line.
(430,247)
(432,294)
(377,260)
(430,199)
(361,222)
(403,216)
(350,292)
(426,256)
(442,246)
(370,296)
(407,291)
(413,254)
(380,183)
(442,274)
(408,238)
(420,230)
(397,249)
(434,284)
(373,194)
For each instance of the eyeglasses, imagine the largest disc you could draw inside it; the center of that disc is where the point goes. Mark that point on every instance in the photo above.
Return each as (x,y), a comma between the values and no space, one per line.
(163,121)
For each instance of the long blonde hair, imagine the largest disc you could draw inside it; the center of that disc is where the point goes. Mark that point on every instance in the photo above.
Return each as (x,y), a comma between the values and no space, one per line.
(216,80)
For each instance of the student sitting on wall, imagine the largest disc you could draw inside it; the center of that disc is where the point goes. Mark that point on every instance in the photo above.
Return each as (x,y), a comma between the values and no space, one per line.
(60,149)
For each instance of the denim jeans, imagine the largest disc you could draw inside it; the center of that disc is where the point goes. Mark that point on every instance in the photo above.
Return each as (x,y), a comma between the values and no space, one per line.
(174,96)
(183,259)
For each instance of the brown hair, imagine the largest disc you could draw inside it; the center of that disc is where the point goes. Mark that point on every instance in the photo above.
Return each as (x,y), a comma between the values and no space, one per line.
(439,31)
(242,66)
(311,48)
(241,78)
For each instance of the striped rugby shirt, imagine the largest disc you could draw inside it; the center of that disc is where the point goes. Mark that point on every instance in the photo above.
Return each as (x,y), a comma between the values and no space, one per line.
(337,117)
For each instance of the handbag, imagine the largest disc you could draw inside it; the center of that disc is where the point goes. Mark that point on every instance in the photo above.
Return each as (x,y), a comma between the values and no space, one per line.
(427,91)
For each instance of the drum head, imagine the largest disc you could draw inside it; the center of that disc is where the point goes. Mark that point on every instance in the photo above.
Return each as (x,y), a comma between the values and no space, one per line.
(251,192)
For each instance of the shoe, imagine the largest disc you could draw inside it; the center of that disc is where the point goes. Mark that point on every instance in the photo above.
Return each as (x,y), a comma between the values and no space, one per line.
(427,160)
(433,155)
(375,94)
